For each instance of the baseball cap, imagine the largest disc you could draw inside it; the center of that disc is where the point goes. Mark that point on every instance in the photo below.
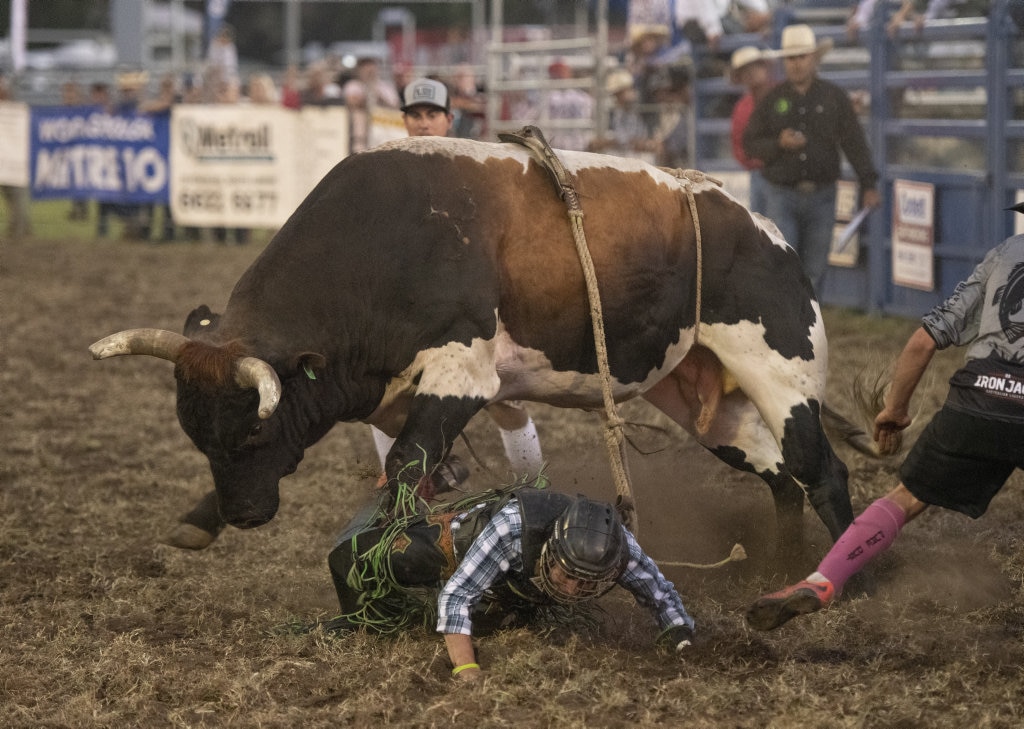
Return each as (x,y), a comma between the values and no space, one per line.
(425,92)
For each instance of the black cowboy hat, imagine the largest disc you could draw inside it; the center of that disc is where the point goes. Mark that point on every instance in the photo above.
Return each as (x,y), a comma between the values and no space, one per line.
(1019,207)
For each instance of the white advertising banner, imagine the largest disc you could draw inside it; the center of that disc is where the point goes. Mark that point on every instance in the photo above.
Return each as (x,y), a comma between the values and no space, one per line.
(1018,219)
(249,166)
(913,234)
(323,143)
(845,248)
(14,151)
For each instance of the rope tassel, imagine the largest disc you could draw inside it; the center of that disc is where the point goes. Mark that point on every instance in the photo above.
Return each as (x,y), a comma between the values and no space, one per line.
(738,554)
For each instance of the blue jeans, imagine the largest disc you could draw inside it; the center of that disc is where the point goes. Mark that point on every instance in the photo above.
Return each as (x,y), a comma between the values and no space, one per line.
(806,220)
(757,186)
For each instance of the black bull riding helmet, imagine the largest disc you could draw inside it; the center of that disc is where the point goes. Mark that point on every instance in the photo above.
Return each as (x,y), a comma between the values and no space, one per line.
(588,546)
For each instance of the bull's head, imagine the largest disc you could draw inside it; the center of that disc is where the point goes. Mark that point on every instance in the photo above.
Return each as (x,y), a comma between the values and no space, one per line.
(226,405)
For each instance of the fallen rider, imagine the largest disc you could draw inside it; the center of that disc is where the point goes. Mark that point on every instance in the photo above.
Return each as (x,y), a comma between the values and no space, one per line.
(492,560)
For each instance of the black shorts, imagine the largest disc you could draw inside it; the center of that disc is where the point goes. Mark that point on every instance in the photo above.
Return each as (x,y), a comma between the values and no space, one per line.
(961,461)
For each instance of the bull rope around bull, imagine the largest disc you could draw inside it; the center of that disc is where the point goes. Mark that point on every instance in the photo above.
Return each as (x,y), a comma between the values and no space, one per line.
(533,139)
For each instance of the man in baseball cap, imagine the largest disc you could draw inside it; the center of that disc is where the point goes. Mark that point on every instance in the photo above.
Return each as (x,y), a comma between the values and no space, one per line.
(426,108)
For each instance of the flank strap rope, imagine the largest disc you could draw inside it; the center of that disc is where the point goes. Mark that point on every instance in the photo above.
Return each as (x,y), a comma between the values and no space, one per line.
(532,138)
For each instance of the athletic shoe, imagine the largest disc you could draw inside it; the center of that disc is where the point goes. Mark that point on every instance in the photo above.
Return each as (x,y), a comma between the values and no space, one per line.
(777,608)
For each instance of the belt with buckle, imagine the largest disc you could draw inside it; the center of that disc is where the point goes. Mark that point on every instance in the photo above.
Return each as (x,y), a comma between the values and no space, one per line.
(806,186)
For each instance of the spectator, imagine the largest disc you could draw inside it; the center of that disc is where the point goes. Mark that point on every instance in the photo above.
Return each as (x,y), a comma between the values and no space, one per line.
(628,135)
(966,453)
(71,95)
(666,91)
(492,561)
(228,92)
(358,115)
(222,54)
(291,94)
(378,91)
(426,108)
(798,130)
(130,88)
(262,89)
(751,69)
(320,89)
(648,26)
(401,74)
(167,96)
(16,198)
(646,42)
(468,104)
(917,12)
(572,105)
(705,21)
(99,95)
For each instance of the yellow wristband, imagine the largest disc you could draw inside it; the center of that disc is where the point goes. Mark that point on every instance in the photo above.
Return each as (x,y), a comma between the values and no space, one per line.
(459,669)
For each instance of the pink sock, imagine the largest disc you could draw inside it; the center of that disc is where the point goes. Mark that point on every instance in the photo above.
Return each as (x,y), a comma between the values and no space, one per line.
(868,536)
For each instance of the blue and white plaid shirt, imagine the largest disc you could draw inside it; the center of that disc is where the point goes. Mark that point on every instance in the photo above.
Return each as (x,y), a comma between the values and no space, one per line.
(499,550)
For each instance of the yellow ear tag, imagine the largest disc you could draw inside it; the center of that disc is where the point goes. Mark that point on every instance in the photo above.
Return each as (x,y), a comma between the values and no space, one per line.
(308,370)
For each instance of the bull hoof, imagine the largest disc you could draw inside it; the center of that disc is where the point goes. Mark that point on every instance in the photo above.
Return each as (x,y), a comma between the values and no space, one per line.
(189,536)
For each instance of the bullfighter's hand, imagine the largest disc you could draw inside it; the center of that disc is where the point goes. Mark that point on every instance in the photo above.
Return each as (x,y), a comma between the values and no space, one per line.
(889,425)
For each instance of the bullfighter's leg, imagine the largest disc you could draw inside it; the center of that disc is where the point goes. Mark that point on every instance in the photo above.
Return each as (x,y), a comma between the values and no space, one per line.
(200,527)
(518,436)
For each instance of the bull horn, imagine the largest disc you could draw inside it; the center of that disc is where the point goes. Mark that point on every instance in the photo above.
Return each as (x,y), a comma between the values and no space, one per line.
(154,342)
(249,371)
(254,372)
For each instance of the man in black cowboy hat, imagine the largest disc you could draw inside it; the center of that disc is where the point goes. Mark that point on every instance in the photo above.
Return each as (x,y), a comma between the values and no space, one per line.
(492,560)
(970,447)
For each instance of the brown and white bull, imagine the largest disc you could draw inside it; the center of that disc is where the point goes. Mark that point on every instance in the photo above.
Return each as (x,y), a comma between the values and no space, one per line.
(426,278)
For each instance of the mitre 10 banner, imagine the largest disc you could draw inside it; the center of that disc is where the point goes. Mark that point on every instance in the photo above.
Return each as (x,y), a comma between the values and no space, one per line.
(87,152)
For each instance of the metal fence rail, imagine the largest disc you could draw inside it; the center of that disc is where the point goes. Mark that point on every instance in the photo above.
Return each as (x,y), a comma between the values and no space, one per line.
(945,109)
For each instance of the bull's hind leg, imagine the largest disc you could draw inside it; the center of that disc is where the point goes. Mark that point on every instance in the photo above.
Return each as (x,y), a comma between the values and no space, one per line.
(737,436)
(782,372)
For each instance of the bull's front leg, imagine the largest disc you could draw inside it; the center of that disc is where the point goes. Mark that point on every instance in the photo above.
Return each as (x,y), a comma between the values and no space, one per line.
(198,528)
(430,430)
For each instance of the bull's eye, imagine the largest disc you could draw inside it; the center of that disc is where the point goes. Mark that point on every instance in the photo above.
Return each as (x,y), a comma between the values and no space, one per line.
(255,430)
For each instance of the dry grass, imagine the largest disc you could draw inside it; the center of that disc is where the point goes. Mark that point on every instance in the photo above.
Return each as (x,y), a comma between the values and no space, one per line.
(103,626)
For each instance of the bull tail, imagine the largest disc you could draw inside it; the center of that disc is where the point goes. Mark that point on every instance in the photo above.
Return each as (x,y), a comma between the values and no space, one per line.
(848,432)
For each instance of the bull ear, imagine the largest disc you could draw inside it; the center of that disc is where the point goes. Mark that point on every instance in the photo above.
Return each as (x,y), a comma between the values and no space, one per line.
(201,319)
(310,363)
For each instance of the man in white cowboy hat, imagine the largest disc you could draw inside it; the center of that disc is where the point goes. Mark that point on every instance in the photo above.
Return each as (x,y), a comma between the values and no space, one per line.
(627,135)
(751,68)
(798,130)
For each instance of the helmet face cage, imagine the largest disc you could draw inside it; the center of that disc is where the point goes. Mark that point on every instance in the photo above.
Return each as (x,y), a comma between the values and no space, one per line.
(560,591)
(589,549)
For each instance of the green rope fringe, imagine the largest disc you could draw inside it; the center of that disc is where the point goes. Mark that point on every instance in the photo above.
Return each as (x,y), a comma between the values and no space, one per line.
(386,607)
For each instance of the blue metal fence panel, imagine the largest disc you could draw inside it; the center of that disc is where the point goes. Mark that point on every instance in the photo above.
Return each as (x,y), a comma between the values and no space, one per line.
(972,187)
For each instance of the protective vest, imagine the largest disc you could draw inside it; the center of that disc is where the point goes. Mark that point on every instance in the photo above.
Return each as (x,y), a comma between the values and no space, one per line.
(539,510)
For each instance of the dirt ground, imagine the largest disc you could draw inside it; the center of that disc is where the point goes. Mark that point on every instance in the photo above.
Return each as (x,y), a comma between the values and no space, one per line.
(103,625)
